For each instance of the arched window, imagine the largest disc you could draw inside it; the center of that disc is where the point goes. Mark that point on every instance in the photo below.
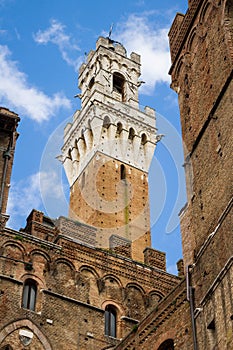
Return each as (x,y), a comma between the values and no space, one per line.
(119,128)
(106,122)
(167,345)
(7,347)
(29,294)
(131,134)
(123,172)
(110,321)
(118,84)
(143,139)
(91,83)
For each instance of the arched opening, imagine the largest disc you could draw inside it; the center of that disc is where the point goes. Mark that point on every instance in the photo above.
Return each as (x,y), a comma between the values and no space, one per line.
(119,128)
(131,134)
(110,318)
(167,345)
(143,139)
(119,84)
(29,294)
(106,122)
(123,172)
(91,83)
(6,347)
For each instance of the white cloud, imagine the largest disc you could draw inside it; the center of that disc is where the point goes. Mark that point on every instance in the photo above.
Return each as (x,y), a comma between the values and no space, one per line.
(56,35)
(23,197)
(26,195)
(16,92)
(138,34)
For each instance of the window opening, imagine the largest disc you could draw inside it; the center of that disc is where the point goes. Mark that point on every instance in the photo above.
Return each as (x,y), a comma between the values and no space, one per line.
(123,172)
(119,128)
(91,83)
(29,294)
(131,134)
(143,139)
(167,345)
(118,84)
(110,321)
(106,122)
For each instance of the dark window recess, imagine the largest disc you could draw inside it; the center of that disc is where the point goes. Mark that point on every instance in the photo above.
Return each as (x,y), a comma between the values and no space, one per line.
(29,294)
(91,83)
(167,345)
(119,84)
(131,134)
(143,139)
(106,122)
(119,128)
(123,172)
(110,321)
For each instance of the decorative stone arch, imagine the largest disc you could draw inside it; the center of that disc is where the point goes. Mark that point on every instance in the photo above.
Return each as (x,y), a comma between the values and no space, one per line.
(154,297)
(17,245)
(25,323)
(135,301)
(89,285)
(177,70)
(110,276)
(191,38)
(111,287)
(33,276)
(163,338)
(205,10)
(89,269)
(167,345)
(154,291)
(12,251)
(65,262)
(40,252)
(137,286)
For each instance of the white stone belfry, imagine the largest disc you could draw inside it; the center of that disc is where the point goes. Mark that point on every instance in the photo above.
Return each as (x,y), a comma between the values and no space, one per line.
(110,120)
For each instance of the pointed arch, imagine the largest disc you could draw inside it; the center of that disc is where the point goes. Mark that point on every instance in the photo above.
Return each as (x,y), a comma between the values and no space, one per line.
(119,128)
(106,122)
(131,134)
(119,85)
(167,345)
(89,269)
(25,323)
(143,139)
(205,11)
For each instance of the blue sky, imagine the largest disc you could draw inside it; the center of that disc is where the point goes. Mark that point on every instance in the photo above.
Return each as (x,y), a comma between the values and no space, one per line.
(42,44)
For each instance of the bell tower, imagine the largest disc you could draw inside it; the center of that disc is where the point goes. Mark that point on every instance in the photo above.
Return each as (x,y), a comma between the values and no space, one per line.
(108,149)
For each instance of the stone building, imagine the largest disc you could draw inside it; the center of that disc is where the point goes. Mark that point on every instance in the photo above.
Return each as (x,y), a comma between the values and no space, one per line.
(201,45)
(85,281)
(92,280)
